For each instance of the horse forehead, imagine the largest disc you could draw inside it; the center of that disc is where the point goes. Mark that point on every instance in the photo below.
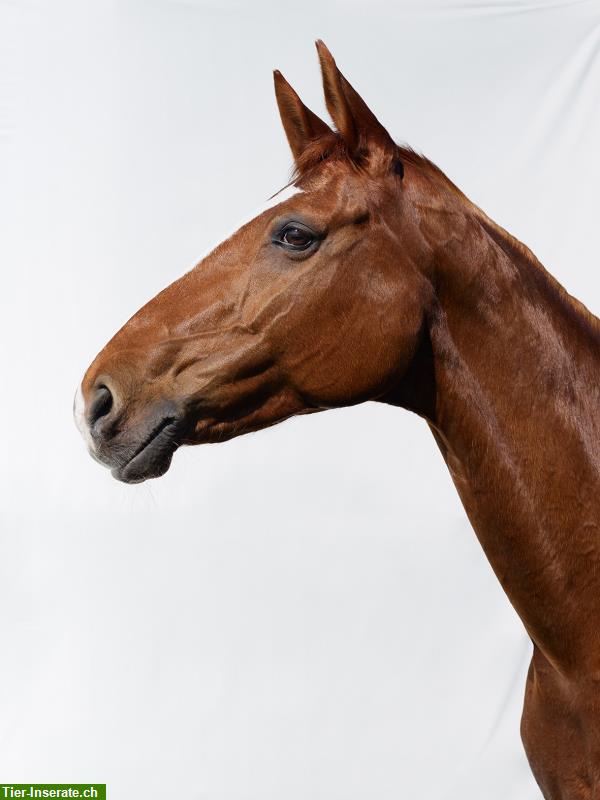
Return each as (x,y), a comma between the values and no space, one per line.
(327,196)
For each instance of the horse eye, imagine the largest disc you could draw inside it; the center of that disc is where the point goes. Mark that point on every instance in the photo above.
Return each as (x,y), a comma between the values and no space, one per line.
(296,238)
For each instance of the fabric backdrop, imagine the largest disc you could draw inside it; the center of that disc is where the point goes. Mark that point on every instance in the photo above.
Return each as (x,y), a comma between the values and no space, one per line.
(304,612)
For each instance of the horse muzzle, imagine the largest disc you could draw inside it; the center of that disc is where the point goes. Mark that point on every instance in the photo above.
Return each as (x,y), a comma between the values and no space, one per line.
(133,450)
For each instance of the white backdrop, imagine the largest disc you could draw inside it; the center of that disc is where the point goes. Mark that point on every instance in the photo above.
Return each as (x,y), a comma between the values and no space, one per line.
(260,622)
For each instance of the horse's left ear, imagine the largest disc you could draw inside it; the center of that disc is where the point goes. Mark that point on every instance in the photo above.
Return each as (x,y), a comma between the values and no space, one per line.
(357,124)
(302,126)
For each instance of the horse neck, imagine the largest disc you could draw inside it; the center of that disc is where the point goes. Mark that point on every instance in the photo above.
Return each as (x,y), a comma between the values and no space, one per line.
(511,372)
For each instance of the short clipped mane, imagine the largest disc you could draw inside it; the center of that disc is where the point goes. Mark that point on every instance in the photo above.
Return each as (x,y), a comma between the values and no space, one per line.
(332,148)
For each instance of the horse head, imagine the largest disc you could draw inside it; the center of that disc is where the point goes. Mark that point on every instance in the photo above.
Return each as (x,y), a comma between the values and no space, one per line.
(317,302)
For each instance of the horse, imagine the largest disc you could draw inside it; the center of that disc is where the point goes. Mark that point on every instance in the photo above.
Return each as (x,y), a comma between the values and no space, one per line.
(373,277)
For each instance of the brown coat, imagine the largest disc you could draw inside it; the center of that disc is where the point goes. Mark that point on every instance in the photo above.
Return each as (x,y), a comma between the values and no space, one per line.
(380,280)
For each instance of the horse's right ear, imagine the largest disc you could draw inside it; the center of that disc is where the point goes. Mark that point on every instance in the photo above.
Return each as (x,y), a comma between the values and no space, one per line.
(302,127)
(355,121)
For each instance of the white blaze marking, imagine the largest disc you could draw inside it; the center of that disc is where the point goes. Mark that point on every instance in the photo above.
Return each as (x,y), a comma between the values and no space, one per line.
(79,415)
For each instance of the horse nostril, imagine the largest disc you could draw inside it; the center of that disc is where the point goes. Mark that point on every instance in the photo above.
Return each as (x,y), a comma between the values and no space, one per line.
(100,405)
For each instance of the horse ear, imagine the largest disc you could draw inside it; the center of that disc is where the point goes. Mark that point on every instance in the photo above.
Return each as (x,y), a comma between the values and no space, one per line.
(301,125)
(351,115)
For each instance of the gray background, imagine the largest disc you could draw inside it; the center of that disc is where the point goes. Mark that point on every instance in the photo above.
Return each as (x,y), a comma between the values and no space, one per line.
(303,612)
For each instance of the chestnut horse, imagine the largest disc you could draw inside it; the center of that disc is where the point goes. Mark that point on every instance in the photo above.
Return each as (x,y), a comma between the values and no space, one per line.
(377,279)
